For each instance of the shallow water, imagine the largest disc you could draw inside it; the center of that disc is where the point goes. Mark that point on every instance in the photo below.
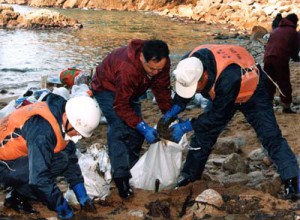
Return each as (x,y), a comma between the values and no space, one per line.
(26,55)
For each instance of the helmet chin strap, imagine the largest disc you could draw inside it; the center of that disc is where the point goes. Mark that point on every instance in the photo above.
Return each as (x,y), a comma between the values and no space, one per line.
(75,138)
(66,127)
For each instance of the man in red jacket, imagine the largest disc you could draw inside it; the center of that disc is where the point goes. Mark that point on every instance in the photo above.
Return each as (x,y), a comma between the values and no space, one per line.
(122,78)
(281,47)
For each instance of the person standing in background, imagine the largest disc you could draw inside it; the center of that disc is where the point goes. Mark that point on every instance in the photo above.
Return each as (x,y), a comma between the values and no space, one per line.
(122,78)
(276,21)
(282,45)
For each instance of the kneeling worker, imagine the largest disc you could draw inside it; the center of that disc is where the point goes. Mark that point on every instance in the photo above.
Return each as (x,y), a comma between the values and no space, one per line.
(37,146)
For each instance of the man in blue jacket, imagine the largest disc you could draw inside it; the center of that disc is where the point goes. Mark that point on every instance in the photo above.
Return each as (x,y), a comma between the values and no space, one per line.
(37,145)
(229,77)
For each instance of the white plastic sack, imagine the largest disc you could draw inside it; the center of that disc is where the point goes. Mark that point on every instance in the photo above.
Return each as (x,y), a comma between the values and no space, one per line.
(79,90)
(62,91)
(96,186)
(162,161)
(101,155)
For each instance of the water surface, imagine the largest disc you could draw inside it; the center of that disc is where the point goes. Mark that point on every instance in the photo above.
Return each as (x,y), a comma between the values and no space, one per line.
(26,55)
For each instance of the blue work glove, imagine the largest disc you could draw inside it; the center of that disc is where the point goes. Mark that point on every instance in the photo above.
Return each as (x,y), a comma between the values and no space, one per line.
(172,113)
(64,211)
(149,133)
(179,129)
(86,203)
(167,119)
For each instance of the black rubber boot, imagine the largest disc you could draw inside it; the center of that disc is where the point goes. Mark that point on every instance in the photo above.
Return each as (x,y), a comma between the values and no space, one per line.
(125,191)
(291,189)
(18,202)
(182,181)
(288,111)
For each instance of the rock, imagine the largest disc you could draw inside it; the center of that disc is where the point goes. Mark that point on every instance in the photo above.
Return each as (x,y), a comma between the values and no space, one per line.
(210,197)
(234,163)
(40,19)
(208,203)
(258,32)
(3,91)
(267,161)
(227,145)
(255,178)
(256,155)
(234,179)
(270,186)
(255,13)
(47,19)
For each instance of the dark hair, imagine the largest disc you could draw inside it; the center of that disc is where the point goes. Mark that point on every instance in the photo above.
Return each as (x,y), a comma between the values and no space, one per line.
(293,18)
(277,19)
(155,50)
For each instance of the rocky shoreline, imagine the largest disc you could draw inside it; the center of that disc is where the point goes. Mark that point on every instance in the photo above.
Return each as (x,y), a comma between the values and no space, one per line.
(40,19)
(240,15)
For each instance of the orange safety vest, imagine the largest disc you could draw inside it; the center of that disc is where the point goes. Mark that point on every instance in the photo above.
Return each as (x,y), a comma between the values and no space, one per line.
(233,54)
(12,145)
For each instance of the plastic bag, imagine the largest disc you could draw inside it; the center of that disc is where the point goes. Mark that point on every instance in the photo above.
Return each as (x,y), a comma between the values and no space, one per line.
(96,186)
(159,167)
(9,108)
(80,90)
(62,91)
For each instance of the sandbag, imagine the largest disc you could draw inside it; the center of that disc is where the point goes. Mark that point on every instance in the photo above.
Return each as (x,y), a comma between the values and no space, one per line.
(159,167)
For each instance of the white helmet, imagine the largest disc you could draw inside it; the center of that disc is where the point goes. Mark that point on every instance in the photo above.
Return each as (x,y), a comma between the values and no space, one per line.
(84,114)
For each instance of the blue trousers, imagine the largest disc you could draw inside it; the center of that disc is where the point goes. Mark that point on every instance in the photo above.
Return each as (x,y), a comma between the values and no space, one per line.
(16,173)
(258,111)
(124,142)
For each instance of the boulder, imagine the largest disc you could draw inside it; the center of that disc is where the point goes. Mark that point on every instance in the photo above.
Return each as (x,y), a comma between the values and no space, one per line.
(40,19)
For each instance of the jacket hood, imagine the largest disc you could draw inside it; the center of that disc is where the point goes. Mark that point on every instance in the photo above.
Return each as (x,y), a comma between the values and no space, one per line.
(135,48)
(287,23)
(56,105)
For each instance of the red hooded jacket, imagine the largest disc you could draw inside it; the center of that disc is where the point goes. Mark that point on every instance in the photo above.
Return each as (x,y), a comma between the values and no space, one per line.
(122,72)
(283,42)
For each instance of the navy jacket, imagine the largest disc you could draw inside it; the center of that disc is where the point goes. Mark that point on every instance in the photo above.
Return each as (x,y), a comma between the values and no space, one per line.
(226,91)
(41,142)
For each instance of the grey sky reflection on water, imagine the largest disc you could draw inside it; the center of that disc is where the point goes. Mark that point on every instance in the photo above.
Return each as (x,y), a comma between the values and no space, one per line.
(26,55)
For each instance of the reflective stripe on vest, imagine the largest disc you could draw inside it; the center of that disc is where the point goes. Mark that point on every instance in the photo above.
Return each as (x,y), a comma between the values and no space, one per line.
(232,54)
(13,145)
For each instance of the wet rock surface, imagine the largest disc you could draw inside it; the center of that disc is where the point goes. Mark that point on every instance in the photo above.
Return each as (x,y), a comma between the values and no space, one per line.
(40,19)
(254,12)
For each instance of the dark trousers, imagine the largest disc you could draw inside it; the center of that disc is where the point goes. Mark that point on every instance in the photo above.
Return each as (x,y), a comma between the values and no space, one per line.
(124,142)
(15,173)
(259,113)
(279,71)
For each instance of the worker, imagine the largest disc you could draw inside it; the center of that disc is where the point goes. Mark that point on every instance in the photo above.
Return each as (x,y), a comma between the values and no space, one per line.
(229,77)
(38,144)
(122,78)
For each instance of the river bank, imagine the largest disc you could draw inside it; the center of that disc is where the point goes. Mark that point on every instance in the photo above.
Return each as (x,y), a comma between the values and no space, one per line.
(240,15)
(256,194)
